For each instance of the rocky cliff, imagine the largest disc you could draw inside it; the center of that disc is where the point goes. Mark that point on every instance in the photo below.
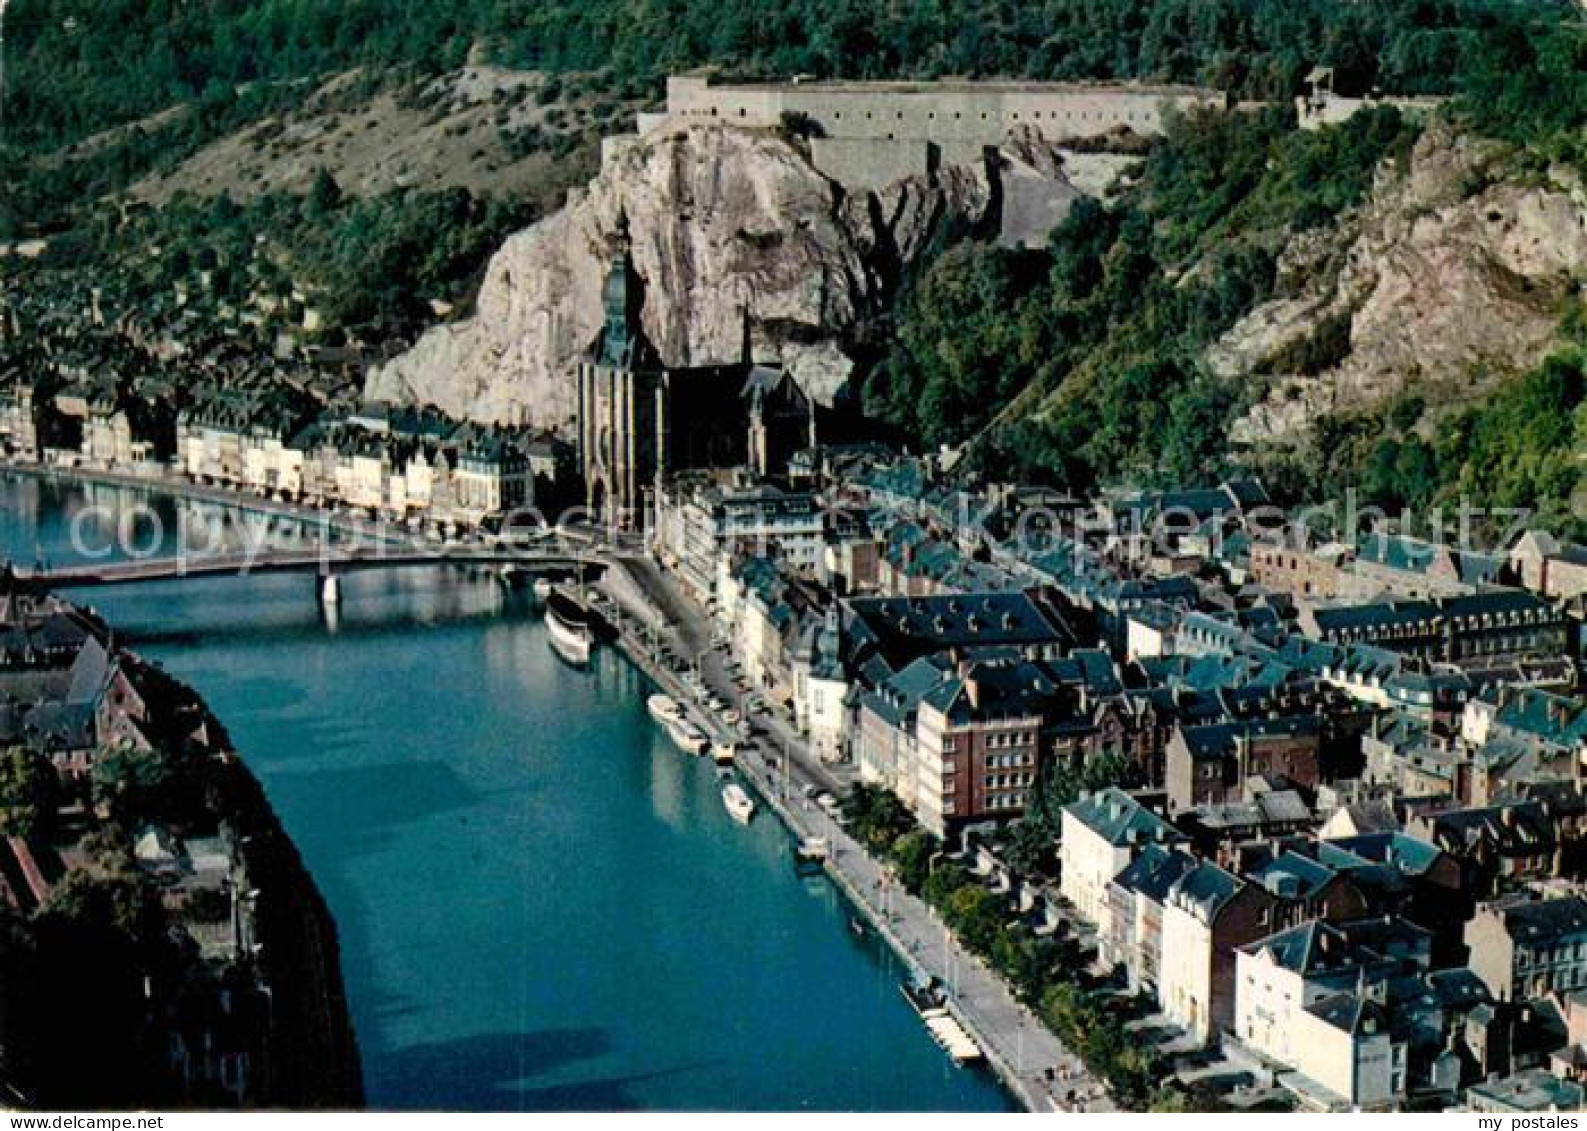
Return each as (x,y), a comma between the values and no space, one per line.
(733,232)
(1452,276)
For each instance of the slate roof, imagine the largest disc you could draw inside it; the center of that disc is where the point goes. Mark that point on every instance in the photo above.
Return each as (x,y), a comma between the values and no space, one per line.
(902,626)
(1399,552)
(1154,870)
(1217,739)
(1276,807)
(1205,890)
(1313,947)
(1003,690)
(1293,876)
(1518,827)
(1121,820)
(1350,1013)
(1556,719)
(1537,923)
(1405,853)
(897,698)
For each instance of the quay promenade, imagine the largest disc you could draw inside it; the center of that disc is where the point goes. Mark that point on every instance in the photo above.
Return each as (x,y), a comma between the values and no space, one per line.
(648,610)
(1017,1045)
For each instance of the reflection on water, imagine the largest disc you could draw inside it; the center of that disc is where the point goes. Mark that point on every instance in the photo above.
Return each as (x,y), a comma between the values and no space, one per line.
(542,904)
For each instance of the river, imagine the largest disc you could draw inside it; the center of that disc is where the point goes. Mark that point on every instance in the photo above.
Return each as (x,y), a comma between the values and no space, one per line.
(542,904)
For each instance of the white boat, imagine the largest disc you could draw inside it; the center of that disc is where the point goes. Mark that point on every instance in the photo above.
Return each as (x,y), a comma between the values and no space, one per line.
(723,753)
(686,736)
(664,709)
(542,588)
(569,628)
(814,849)
(944,1028)
(739,805)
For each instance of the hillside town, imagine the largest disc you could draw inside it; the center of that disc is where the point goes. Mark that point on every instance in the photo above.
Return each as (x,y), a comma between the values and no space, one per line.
(1301,789)
(232,399)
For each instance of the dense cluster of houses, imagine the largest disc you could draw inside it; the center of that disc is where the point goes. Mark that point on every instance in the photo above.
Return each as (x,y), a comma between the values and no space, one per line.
(210,411)
(1354,840)
(272,439)
(69,692)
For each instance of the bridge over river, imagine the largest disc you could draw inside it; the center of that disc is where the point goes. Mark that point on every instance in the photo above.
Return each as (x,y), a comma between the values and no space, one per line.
(322,561)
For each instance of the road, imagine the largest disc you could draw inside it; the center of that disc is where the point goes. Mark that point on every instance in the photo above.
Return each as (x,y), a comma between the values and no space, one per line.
(1017,1044)
(1032,1062)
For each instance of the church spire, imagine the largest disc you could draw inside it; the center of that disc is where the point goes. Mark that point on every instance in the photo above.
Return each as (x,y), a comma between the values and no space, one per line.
(622,300)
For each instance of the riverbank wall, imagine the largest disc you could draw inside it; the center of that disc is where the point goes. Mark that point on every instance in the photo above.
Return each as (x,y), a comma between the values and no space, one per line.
(312,1060)
(777,794)
(346,525)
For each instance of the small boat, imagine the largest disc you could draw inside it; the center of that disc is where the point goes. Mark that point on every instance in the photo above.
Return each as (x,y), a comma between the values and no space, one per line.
(739,805)
(723,753)
(930,1002)
(568,623)
(664,709)
(813,849)
(686,736)
(542,588)
(857,928)
(926,999)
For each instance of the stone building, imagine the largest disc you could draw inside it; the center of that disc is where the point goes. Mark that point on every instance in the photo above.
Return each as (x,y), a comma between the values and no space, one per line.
(1210,764)
(867,134)
(1309,572)
(1101,835)
(640,419)
(1547,566)
(1530,949)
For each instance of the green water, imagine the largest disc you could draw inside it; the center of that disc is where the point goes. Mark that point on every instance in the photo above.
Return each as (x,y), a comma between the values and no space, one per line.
(542,904)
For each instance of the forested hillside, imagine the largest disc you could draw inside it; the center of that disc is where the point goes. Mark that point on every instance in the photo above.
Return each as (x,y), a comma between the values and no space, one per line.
(78,67)
(1083,363)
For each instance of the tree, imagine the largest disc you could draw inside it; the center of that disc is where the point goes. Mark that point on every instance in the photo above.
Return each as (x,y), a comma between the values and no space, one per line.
(1028,846)
(911,854)
(325,195)
(29,792)
(975,914)
(876,817)
(130,781)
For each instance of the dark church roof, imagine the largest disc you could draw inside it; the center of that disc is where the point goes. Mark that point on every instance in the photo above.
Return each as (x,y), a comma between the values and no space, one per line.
(622,343)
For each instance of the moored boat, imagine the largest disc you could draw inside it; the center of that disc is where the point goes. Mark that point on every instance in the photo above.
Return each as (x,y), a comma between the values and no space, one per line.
(686,736)
(811,854)
(723,753)
(664,709)
(568,624)
(738,803)
(931,1003)
(542,588)
(814,849)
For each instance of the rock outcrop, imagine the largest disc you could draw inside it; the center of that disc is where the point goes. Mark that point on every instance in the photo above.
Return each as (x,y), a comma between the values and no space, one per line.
(735,236)
(1453,275)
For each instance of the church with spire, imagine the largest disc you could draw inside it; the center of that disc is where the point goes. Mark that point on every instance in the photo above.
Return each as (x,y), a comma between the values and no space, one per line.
(640,419)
